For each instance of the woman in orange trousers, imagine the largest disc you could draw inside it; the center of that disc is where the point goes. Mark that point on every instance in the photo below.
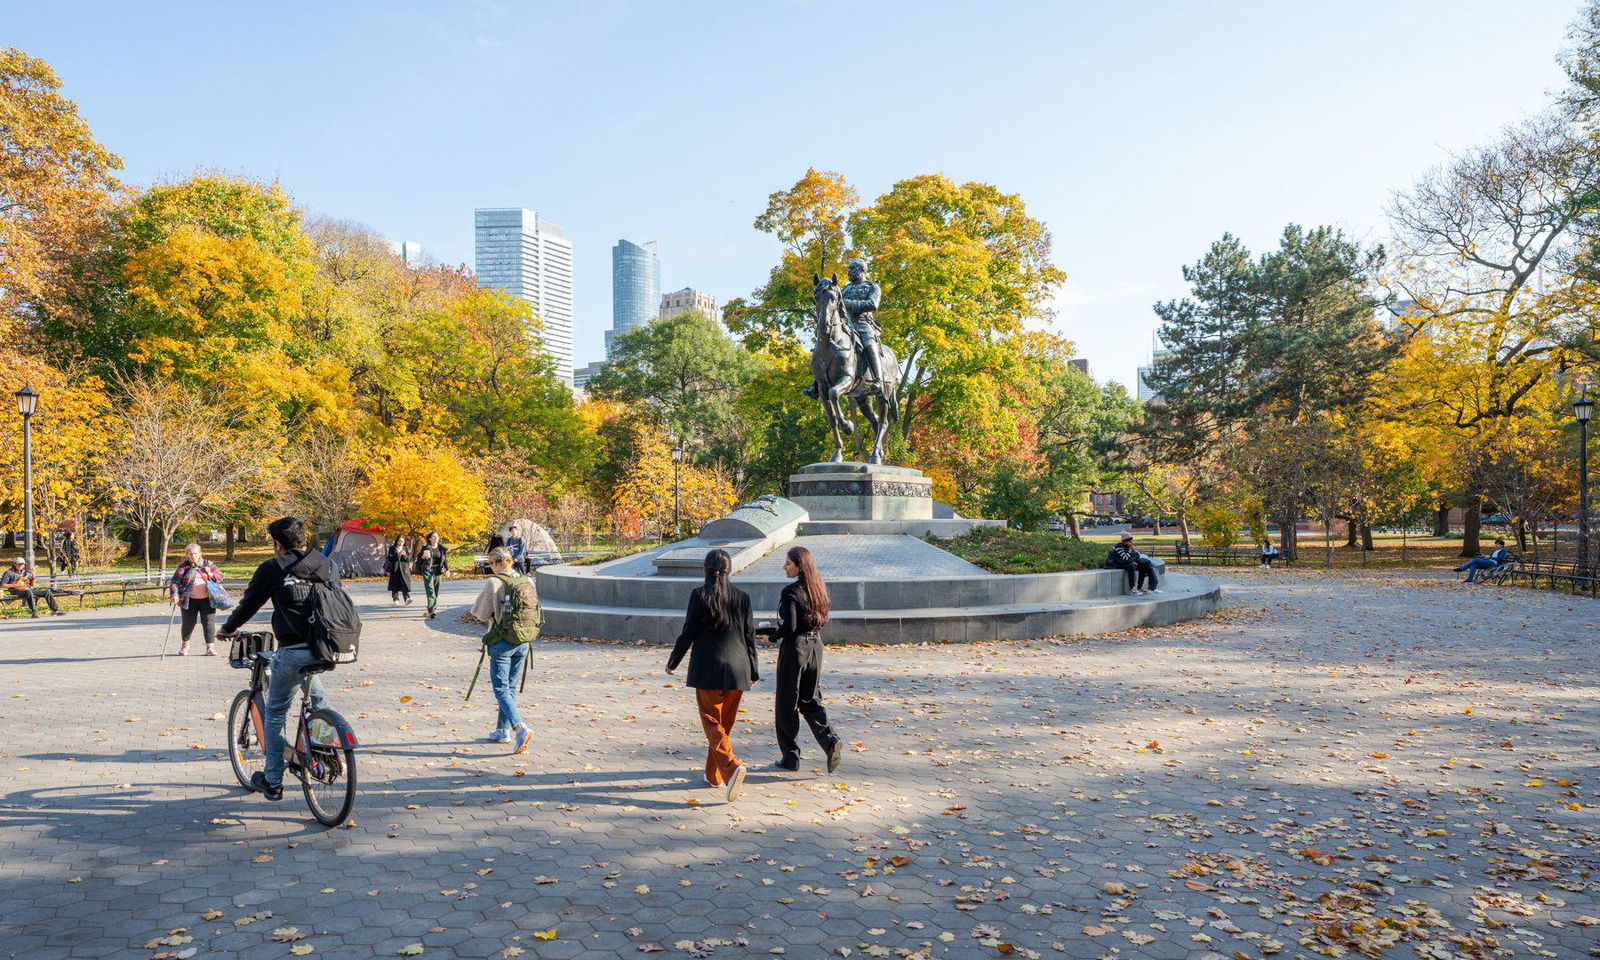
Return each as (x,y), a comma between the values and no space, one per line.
(719,637)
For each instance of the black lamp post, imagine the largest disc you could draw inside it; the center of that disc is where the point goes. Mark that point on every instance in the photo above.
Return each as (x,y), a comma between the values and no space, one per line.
(677,502)
(27,403)
(1583,409)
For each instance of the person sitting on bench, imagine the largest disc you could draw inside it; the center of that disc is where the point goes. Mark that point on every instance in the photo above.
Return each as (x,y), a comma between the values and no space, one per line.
(18,581)
(1499,556)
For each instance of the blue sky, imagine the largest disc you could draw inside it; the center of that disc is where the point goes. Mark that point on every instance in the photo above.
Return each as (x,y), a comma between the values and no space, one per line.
(1138,132)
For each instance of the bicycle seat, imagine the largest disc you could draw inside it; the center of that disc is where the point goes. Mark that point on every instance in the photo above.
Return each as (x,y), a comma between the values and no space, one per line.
(263,655)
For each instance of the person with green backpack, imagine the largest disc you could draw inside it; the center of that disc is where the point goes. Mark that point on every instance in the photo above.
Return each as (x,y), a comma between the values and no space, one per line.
(509,604)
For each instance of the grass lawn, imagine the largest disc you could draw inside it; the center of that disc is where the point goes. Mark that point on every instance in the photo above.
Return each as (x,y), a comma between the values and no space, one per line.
(1013,551)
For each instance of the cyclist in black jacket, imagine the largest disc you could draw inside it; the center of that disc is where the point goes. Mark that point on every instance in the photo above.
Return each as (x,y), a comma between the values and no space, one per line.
(286,581)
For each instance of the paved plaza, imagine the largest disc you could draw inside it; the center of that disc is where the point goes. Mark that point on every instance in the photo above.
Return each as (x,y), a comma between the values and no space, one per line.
(1334,765)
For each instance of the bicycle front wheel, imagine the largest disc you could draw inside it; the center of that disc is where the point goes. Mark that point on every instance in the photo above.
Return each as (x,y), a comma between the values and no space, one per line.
(330,776)
(246,752)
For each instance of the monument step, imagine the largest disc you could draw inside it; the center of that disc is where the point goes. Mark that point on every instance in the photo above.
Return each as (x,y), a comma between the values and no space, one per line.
(1183,597)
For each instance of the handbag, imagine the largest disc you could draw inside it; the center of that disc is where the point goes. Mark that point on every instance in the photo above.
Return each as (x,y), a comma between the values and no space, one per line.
(219,595)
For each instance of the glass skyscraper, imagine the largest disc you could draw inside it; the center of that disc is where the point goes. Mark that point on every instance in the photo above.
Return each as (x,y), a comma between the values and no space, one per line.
(635,287)
(530,258)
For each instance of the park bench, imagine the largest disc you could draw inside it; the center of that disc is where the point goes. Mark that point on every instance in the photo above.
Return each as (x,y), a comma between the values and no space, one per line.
(1550,574)
(82,585)
(1175,553)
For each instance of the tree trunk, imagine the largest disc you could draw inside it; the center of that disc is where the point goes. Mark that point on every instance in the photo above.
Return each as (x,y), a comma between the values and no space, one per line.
(1183,524)
(1155,524)
(1366,536)
(229,553)
(1288,541)
(1471,532)
(138,538)
(1351,529)
(1441,521)
(1522,535)
(167,530)
(1072,523)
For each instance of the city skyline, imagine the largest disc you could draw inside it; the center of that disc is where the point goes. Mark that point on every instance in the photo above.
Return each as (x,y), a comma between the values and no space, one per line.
(1137,135)
(517,251)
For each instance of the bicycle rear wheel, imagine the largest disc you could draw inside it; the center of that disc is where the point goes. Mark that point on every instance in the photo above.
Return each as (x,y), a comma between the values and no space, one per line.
(330,776)
(246,752)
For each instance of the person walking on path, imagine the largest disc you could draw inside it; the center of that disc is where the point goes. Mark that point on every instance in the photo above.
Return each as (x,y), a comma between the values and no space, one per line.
(191,593)
(286,580)
(509,604)
(802,611)
(19,582)
(399,564)
(719,636)
(432,565)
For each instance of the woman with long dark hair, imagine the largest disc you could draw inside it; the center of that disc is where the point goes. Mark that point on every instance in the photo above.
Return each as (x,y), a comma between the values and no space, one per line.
(399,564)
(719,635)
(802,610)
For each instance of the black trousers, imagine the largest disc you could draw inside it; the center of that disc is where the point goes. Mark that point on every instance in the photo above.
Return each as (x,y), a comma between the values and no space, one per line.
(200,609)
(31,596)
(799,674)
(1147,574)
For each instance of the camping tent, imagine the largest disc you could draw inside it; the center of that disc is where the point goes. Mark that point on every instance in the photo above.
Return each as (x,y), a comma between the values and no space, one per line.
(359,550)
(537,538)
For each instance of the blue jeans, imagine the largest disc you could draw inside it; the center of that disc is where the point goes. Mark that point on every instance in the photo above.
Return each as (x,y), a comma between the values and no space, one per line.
(1475,564)
(287,664)
(506,663)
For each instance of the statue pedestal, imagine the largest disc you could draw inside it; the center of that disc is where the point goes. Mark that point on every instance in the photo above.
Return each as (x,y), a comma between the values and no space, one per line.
(862,491)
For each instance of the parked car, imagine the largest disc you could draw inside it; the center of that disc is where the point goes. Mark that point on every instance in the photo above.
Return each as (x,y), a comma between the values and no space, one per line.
(1497,520)
(1056,525)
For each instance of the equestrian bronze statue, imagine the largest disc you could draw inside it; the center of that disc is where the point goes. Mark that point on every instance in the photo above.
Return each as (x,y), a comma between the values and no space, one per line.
(850,361)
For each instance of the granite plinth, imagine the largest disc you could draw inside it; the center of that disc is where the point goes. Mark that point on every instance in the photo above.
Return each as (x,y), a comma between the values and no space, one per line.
(862,491)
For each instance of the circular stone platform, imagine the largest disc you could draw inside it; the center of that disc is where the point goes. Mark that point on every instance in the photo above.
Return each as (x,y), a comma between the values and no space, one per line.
(886,588)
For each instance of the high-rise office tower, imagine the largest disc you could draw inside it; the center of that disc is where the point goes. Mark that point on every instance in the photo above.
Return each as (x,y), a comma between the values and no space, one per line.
(682,301)
(519,253)
(635,287)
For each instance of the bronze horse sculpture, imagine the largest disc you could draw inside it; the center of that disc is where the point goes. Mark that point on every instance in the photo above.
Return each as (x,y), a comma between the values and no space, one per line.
(841,372)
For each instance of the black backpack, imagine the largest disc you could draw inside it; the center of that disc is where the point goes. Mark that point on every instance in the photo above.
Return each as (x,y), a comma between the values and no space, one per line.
(333,626)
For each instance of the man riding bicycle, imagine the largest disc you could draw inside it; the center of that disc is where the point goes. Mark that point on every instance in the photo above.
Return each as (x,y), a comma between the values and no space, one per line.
(285,580)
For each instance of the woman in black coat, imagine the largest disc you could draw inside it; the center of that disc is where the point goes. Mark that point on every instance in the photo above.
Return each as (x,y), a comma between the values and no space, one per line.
(399,564)
(719,635)
(802,610)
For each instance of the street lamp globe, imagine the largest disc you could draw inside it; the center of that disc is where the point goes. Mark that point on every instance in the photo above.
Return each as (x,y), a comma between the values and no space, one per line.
(1583,407)
(27,401)
(677,453)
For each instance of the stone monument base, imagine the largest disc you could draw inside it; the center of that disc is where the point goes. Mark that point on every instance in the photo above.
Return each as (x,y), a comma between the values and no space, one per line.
(862,491)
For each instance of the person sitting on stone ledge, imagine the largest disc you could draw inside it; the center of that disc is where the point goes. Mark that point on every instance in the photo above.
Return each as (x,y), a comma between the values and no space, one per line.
(1138,568)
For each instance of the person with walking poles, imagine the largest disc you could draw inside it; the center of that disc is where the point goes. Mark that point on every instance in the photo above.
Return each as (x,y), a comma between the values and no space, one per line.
(286,579)
(719,636)
(509,604)
(802,611)
(191,593)
(398,563)
(18,581)
(432,565)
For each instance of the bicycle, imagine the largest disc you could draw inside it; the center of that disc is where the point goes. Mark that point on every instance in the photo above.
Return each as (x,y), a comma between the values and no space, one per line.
(323,754)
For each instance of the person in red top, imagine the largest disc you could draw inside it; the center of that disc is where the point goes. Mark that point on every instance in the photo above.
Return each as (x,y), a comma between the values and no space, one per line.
(191,593)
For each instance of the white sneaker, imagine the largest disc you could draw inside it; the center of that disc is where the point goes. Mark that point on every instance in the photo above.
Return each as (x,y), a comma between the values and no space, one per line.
(497,736)
(1156,590)
(736,783)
